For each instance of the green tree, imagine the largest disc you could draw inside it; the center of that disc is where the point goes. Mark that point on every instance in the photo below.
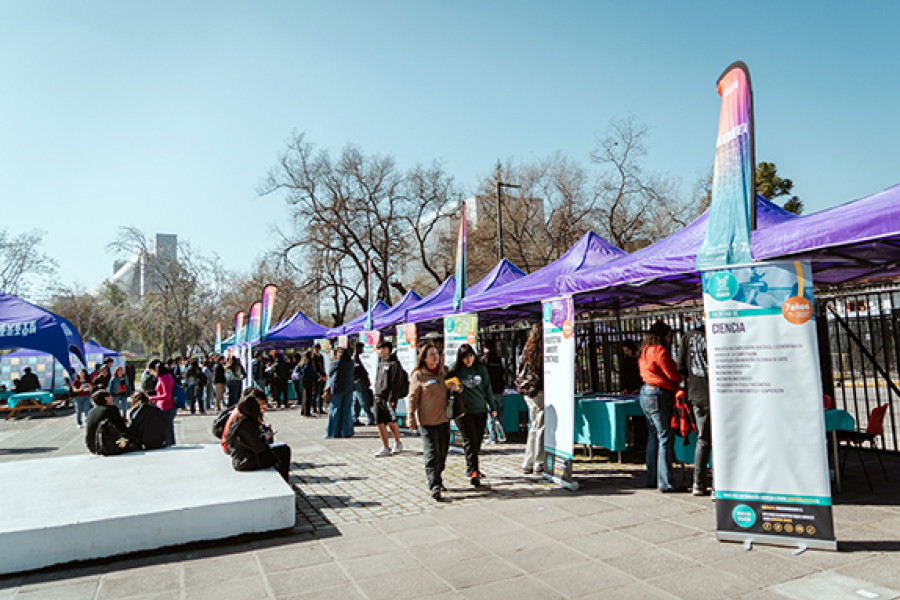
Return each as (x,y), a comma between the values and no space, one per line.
(770,185)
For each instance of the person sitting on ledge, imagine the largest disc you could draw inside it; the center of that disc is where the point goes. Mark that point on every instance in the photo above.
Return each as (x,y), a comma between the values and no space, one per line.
(102,410)
(248,439)
(149,426)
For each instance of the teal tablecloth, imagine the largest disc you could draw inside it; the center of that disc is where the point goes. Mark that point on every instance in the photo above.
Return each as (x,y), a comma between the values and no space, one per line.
(42,397)
(600,420)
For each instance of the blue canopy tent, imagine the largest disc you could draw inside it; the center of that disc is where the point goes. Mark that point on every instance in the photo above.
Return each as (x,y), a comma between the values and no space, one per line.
(24,325)
(358,324)
(294,331)
(396,313)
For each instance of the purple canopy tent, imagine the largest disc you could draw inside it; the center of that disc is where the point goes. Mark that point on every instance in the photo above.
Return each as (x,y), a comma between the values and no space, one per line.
(504,272)
(24,325)
(526,293)
(358,324)
(854,241)
(297,330)
(663,273)
(397,312)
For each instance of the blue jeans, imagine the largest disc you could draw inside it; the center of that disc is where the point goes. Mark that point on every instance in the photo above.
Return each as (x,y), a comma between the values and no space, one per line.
(82,406)
(195,398)
(361,402)
(657,405)
(340,421)
(234,392)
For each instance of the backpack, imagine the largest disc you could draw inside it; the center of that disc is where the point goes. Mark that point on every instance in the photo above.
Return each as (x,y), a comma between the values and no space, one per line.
(402,384)
(110,440)
(682,420)
(179,396)
(527,381)
(218,425)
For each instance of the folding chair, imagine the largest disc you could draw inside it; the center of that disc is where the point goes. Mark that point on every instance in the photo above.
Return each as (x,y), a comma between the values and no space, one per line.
(870,435)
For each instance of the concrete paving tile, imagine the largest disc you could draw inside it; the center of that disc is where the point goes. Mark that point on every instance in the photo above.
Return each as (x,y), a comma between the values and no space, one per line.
(705,583)
(438,553)
(414,583)
(564,530)
(515,540)
(703,548)
(293,556)
(632,591)
(765,568)
(236,589)
(543,558)
(539,514)
(882,570)
(660,532)
(606,543)
(520,588)
(344,591)
(485,526)
(370,567)
(583,579)
(140,582)
(616,519)
(424,536)
(584,506)
(223,568)
(414,522)
(475,571)
(293,581)
(72,591)
(703,519)
(354,548)
(650,562)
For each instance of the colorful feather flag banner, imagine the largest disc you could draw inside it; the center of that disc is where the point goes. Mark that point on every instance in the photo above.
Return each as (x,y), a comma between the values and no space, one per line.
(369,311)
(460,292)
(268,308)
(253,328)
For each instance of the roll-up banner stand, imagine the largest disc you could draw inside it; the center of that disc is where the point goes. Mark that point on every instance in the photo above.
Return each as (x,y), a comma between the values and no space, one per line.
(369,357)
(559,389)
(770,461)
(459,329)
(406,355)
(325,347)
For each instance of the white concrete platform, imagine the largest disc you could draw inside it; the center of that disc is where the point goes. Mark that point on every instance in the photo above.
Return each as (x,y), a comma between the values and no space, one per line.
(58,510)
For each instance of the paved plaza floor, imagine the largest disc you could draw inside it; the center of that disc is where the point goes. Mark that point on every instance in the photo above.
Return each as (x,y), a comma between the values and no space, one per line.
(368,528)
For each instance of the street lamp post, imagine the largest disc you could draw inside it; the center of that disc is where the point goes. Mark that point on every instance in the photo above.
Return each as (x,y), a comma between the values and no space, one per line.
(500,186)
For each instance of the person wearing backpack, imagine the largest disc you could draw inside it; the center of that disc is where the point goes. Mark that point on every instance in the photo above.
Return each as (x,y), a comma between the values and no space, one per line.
(148,427)
(120,388)
(479,401)
(391,384)
(530,383)
(102,410)
(692,363)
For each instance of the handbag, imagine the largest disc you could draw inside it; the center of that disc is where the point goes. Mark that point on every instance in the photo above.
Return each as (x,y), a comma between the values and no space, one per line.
(459,404)
(326,394)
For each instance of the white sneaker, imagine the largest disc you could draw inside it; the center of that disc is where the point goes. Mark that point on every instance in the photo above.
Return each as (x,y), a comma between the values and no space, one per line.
(383,452)
(398,448)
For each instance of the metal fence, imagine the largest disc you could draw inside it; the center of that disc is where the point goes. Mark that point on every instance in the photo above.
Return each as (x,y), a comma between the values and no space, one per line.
(859,347)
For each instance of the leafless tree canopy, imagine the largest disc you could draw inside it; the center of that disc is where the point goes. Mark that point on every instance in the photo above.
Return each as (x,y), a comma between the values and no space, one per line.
(22,263)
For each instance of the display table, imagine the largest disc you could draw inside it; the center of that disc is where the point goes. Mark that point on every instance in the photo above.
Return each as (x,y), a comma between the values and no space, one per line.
(16,403)
(601,420)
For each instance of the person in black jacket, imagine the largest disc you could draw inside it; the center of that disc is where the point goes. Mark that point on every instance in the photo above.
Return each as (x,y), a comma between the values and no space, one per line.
(248,439)
(497,373)
(149,427)
(29,382)
(279,372)
(389,379)
(692,363)
(102,410)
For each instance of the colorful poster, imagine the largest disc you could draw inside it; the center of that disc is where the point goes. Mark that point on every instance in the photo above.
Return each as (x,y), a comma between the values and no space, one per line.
(254,322)
(559,388)
(268,309)
(327,353)
(369,357)
(343,341)
(406,346)
(733,204)
(770,467)
(459,329)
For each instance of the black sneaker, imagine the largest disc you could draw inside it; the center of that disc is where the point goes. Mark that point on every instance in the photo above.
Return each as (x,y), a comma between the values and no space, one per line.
(436,494)
(474,480)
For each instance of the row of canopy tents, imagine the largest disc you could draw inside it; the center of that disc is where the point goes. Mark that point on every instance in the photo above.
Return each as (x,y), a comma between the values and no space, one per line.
(853,241)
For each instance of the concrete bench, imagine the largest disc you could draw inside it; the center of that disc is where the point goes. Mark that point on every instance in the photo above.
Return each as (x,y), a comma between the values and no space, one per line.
(58,510)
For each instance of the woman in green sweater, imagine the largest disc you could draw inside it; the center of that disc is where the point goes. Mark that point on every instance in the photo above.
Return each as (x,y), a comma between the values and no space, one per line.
(476,389)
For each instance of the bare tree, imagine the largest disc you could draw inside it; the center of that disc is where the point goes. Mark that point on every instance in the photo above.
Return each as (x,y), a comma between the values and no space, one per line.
(22,261)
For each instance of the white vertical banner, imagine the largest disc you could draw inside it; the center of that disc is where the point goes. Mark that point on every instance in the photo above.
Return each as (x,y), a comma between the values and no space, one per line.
(559,388)
(407,355)
(459,329)
(770,460)
(369,357)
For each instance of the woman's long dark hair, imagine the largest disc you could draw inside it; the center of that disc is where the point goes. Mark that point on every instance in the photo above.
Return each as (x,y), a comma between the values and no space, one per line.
(248,407)
(463,351)
(534,347)
(423,352)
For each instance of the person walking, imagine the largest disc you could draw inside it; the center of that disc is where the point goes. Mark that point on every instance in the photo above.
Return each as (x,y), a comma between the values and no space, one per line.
(692,363)
(165,384)
(234,380)
(297,379)
(279,372)
(319,363)
(120,388)
(428,402)
(479,400)
(497,373)
(391,384)
(530,383)
(194,387)
(310,378)
(81,388)
(219,380)
(362,388)
(661,378)
(340,384)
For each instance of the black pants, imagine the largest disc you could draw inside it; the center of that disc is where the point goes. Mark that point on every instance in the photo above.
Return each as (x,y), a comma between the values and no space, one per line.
(298,392)
(704,445)
(309,398)
(279,457)
(279,393)
(320,403)
(471,426)
(435,445)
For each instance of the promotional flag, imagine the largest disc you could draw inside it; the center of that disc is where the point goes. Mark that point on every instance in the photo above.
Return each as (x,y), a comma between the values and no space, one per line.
(254,321)
(219,337)
(371,297)
(268,308)
(732,208)
(239,328)
(460,292)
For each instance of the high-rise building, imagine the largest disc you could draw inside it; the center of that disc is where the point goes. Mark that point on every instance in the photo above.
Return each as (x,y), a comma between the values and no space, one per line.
(143,272)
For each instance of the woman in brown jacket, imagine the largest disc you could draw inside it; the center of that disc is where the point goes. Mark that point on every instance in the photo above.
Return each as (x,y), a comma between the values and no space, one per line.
(427,404)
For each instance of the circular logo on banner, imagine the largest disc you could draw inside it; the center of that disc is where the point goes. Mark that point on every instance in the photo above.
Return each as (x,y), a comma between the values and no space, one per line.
(548,312)
(470,338)
(451,324)
(722,285)
(567,329)
(743,516)
(797,310)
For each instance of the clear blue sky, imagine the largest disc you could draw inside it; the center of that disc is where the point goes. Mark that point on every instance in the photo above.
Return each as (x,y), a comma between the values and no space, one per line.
(167,114)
